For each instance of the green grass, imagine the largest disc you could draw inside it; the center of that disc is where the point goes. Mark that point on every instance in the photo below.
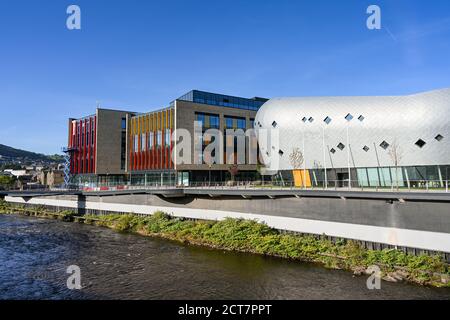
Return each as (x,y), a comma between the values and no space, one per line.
(254,237)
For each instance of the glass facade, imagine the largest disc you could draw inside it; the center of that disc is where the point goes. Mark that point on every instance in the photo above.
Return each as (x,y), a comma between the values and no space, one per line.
(208,121)
(153,178)
(235,123)
(223,100)
(411,177)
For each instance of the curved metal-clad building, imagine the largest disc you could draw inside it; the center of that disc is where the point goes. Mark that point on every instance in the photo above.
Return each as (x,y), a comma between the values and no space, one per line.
(363,135)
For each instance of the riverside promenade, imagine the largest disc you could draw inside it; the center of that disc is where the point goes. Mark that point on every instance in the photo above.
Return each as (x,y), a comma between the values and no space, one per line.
(415,221)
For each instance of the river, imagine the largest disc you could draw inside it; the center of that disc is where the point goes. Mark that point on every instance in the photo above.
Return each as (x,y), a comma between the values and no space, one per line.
(35,254)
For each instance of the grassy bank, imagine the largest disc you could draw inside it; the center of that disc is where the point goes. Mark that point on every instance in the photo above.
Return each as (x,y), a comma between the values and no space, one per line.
(257,238)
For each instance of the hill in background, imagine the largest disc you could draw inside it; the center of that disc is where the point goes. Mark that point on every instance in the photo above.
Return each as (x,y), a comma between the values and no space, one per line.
(9,154)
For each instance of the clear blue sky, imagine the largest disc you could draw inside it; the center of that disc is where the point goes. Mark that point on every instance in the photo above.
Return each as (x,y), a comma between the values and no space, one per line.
(140,55)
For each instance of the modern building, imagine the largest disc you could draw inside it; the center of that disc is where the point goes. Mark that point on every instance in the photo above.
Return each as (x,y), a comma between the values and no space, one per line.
(97,145)
(151,145)
(120,147)
(373,141)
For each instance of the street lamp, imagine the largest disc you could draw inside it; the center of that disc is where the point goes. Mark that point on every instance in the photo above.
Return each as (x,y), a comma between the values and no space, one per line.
(305,120)
(327,121)
(210,166)
(348,118)
(304,157)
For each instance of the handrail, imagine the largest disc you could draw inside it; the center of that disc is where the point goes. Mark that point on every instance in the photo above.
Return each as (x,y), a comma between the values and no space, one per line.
(337,185)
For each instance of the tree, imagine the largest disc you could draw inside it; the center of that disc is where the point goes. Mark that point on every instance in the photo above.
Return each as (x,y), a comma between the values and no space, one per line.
(296,159)
(396,154)
(6,182)
(233,170)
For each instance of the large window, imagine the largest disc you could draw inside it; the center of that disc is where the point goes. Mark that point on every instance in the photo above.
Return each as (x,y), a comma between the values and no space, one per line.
(123,151)
(159,138)
(150,140)
(229,122)
(214,122)
(241,123)
(167,137)
(235,123)
(200,117)
(143,141)
(208,120)
(136,143)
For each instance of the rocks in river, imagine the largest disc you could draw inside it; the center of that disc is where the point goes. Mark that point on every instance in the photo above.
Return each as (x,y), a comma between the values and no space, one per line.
(445,278)
(358,271)
(389,278)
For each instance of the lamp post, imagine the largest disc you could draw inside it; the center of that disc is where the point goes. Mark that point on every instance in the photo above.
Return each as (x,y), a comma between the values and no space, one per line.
(210,165)
(348,118)
(327,121)
(304,157)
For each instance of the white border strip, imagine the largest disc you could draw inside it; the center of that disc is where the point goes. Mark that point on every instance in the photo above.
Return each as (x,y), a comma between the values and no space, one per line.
(426,240)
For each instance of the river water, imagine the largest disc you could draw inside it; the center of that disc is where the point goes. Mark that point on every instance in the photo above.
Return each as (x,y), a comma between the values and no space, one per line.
(35,254)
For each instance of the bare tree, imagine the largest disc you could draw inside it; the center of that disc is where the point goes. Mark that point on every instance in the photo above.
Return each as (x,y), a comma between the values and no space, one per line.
(233,170)
(296,159)
(396,154)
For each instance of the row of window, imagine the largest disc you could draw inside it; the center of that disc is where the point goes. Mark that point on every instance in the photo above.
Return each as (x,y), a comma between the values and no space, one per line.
(223,100)
(385,145)
(327,119)
(208,121)
(82,139)
(212,121)
(148,140)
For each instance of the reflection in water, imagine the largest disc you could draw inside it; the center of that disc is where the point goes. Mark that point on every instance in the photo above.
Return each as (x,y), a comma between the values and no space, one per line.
(35,253)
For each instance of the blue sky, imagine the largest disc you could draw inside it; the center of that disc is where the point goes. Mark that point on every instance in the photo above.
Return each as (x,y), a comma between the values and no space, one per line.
(141,54)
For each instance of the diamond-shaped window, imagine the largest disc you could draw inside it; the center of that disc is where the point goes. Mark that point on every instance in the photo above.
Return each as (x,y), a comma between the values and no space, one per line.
(384,145)
(305,119)
(366,148)
(420,143)
(349,117)
(280,152)
(274,124)
(361,118)
(439,137)
(327,120)
(333,151)
(341,146)
(311,119)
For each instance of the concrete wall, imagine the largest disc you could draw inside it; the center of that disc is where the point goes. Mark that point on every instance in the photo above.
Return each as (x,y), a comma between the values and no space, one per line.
(421,225)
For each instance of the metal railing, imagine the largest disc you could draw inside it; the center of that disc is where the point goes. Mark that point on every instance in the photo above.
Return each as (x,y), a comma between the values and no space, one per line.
(336,185)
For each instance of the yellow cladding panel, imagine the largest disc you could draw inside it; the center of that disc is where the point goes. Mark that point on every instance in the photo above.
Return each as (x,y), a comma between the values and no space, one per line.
(167,118)
(140,125)
(301,179)
(159,121)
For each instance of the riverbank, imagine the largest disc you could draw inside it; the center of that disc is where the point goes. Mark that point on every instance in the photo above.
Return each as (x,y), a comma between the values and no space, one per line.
(257,238)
